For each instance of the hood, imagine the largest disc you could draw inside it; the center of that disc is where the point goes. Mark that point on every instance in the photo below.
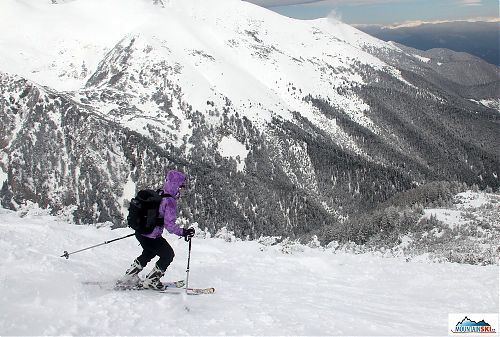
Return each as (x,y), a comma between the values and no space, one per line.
(173,180)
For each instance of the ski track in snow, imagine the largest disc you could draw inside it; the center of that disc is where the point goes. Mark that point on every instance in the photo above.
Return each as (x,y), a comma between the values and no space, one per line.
(260,290)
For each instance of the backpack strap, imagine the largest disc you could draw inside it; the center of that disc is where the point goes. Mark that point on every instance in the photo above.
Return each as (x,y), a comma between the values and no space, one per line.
(163,194)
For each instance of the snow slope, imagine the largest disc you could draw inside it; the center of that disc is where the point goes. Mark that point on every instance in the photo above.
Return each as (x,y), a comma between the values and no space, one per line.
(218,49)
(61,45)
(261,290)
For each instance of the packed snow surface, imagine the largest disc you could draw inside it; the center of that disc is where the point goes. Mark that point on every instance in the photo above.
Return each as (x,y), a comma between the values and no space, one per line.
(261,289)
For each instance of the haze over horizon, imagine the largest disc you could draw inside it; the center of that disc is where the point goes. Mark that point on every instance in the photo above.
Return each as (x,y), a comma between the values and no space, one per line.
(384,12)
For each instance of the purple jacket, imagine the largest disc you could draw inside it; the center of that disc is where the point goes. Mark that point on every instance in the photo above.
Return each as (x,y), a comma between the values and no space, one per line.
(168,206)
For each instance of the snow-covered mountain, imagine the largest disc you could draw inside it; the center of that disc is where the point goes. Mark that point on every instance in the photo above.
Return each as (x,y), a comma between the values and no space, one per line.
(283,126)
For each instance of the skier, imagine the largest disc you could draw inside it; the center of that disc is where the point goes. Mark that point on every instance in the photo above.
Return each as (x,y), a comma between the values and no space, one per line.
(154,244)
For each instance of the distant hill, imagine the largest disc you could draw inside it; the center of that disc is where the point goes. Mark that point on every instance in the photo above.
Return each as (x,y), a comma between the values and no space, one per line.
(477,38)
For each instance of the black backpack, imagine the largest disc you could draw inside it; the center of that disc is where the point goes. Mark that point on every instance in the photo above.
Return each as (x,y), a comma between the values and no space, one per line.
(143,211)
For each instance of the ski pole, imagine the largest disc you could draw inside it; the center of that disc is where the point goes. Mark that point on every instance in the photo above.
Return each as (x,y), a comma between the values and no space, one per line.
(187,270)
(66,254)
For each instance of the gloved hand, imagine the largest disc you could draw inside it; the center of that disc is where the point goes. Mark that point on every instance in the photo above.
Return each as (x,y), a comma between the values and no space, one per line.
(188,233)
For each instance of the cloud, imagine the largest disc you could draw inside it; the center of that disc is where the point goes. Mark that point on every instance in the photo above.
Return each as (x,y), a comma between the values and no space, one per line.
(416,23)
(275,3)
(471,3)
(334,17)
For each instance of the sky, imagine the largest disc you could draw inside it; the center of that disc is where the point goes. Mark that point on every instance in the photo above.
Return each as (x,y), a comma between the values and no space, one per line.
(385,12)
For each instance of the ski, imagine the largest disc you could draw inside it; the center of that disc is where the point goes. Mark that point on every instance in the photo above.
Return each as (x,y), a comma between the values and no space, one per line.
(138,286)
(189,291)
(172,287)
(201,291)
(127,286)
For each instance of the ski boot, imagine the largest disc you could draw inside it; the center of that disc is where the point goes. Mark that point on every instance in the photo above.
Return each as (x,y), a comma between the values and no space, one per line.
(131,278)
(152,280)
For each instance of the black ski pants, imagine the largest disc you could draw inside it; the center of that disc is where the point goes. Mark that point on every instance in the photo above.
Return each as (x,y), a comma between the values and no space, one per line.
(155,247)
